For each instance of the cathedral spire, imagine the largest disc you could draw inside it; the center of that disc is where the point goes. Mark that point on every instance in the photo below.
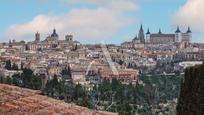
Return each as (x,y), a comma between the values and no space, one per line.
(54,34)
(37,37)
(141,35)
(178,30)
(54,30)
(148,32)
(141,28)
(159,31)
(10,44)
(189,30)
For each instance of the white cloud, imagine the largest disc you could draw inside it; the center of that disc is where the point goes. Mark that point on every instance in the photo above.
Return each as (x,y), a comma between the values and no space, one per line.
(91,24)
(191,14)
(104,21)
(39,23)
(124,5)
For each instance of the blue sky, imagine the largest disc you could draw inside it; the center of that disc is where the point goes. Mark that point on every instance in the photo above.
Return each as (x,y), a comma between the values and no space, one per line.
(112,22)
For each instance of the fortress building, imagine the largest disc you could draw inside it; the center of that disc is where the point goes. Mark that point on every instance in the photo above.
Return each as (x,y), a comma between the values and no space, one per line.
(183,39)
(140,41)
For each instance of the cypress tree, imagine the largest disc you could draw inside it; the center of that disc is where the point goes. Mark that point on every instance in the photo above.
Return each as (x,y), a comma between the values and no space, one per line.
(8,65)
(191,100)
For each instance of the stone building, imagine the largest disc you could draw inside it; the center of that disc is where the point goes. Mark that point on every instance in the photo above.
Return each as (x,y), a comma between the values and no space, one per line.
(52,42)
(183,39)
(137,43)
(124,75)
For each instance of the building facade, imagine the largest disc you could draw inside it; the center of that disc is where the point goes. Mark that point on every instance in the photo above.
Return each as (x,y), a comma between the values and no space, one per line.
(183,39)
(52,42)
(124,75)
(137,43)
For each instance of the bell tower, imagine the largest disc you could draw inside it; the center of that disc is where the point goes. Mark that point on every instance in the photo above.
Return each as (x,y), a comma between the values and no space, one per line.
(148,34)
(37,37)
(141,35)
(178,35)
(189,32)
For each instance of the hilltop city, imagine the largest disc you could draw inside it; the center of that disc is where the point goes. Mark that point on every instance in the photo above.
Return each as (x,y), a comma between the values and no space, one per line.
(83,73)
(150,53)
(102,57)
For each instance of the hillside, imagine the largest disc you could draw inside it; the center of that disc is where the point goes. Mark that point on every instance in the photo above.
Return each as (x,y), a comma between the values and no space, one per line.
(18,101)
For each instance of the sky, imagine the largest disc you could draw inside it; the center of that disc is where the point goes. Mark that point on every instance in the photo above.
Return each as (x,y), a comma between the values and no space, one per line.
(96,21)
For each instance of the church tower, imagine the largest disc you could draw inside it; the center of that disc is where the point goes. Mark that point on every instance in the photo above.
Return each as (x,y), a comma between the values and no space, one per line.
(148,36)
(160,32)
(10,44)
(186,39)
(189,32)
(141,35)
(54,39)
(69,38)
(37,37)
(178,37)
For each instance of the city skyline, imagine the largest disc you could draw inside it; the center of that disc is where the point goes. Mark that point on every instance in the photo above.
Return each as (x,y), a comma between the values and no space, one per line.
(93,21)
(102,57)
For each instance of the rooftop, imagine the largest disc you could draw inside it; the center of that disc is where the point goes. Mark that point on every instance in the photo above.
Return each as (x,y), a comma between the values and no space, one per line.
(163,35)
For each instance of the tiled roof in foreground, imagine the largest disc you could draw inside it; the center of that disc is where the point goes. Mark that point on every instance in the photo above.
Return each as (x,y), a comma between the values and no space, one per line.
(21,101)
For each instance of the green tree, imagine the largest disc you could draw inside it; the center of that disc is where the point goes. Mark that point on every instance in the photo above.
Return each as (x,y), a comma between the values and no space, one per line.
(17,80)
(121,62)
(29,80)
(55,88)
(1,79)
(15,67)
(66,72)
(22,66)
(8,65)
(76,47)
(125,109)
(68,92)
(191,99)
(26,77)
(8,80)
(36,82)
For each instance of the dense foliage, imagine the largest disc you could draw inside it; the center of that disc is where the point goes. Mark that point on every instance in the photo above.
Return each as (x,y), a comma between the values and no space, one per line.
(116,97)
(9,66)
(67,91)
(191,100)
(27,80)
(126,99)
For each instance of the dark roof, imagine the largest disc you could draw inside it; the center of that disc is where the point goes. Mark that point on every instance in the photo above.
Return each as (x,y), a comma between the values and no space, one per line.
(178,30)
(148,32)
(136,38)
(163,35)
(126,43)
(189,30)
(54,34)
(159,31)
